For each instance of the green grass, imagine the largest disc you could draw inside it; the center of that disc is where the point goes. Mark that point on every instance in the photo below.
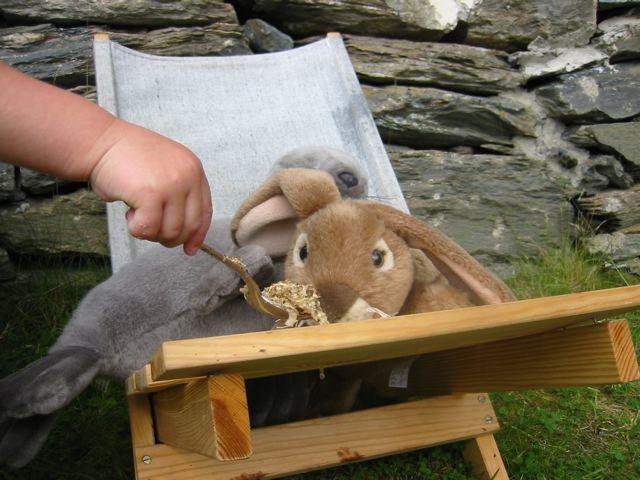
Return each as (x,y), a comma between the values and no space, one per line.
(580,433)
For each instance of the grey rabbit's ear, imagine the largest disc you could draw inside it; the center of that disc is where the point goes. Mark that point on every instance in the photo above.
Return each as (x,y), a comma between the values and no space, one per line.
(461,270)
(269,216)
(350,177)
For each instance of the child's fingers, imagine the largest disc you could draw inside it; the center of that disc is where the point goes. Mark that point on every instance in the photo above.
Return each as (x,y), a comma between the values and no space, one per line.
(192,217)
(129,215)
(146,220)
(172,222)
(192,244)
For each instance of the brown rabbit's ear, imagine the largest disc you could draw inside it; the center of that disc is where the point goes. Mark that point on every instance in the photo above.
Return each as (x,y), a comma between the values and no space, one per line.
(269,216)
(461,269)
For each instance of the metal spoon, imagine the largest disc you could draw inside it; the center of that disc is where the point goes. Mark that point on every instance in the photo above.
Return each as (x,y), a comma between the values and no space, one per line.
(252,294)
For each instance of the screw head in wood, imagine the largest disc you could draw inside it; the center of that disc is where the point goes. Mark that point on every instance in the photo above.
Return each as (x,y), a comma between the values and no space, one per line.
(488,419)
(146,459)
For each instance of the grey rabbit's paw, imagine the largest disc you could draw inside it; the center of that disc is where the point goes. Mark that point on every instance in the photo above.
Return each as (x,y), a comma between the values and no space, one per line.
(30,398)
(221,284)
(48,384)
(21,439)
(259,264)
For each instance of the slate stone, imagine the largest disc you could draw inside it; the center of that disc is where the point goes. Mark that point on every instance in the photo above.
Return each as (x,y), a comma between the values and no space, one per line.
(37,183)
(629,18)
(604,5)
(423,20)
(64,56)
(512,25)
(74,223)
(621,138)
(618,250)
(148,13)
(539,64)
(612,169)
(496,206)
(600,94)
(86,91)
(9,191)
(7,181)
(265,38)
(448,66)
(628,49)
(620,43)
(7,270)
(616,246)
(432,118)
(611,210)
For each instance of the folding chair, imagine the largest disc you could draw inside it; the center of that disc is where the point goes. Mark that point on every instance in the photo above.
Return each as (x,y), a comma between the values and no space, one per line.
(188,407)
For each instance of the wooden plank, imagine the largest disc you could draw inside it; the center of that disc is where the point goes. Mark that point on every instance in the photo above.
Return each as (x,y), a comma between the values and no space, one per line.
(130,385)
(208,416)
(230,417)
(297,349)
(625,351)
(485,458)
(141,382)
(141,421)
(324,442)
(599,354)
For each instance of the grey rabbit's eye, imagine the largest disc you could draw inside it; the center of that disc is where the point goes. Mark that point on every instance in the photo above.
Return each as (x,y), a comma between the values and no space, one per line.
(348,178)
(303,253)
(377,257)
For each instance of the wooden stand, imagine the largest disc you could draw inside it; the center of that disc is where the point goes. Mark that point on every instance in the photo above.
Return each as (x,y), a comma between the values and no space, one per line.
(199,428)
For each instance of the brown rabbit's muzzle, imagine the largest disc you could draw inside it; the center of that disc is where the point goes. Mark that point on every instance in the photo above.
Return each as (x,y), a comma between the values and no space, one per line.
(336,299)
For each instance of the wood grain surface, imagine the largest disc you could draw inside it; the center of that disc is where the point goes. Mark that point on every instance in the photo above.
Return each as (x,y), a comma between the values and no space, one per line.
(297,349)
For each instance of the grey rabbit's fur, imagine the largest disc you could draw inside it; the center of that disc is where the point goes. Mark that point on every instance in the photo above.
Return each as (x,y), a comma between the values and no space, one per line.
(161,295)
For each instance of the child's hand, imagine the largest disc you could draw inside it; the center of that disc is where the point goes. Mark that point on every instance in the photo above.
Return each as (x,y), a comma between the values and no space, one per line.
(162,181)
(53,131)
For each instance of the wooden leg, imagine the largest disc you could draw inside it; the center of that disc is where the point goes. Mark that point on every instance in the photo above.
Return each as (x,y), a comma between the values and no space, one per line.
(485,458)
(208,416)
(141,422)
(297,447)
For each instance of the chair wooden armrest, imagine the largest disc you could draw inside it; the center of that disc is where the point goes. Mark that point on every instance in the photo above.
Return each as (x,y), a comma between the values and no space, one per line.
(538,343)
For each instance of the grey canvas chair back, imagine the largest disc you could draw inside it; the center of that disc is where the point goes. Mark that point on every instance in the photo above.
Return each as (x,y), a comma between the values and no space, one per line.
(240,114)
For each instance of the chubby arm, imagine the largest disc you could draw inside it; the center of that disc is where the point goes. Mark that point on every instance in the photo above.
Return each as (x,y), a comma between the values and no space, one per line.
(48,129)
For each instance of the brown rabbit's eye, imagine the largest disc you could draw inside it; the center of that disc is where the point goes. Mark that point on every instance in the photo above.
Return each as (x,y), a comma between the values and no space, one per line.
(377,257)
(301,251)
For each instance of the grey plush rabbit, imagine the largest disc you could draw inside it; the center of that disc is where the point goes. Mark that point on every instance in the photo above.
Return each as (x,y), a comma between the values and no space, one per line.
(362,257)
(162,295)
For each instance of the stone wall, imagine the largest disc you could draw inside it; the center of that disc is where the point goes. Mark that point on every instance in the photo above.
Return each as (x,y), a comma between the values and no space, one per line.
(506,121)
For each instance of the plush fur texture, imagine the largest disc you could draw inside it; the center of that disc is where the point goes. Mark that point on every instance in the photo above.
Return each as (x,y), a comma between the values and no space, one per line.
(350,178)
(340,238)
(162,295)
(360,254)
(166,295)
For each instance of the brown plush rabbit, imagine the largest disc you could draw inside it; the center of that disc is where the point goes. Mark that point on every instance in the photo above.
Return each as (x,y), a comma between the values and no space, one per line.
(358,253)
(361,256)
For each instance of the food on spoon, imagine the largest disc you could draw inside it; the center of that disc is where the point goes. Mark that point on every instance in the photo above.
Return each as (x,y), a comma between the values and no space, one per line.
(297,300)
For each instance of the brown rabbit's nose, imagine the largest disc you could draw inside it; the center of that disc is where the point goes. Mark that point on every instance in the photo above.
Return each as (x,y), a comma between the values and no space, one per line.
(336,299)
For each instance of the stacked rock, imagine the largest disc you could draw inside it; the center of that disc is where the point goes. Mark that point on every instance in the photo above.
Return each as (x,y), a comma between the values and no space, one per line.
(504,120)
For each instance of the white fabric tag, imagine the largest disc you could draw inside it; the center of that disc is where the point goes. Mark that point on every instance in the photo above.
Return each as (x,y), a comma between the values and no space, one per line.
(399,376)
